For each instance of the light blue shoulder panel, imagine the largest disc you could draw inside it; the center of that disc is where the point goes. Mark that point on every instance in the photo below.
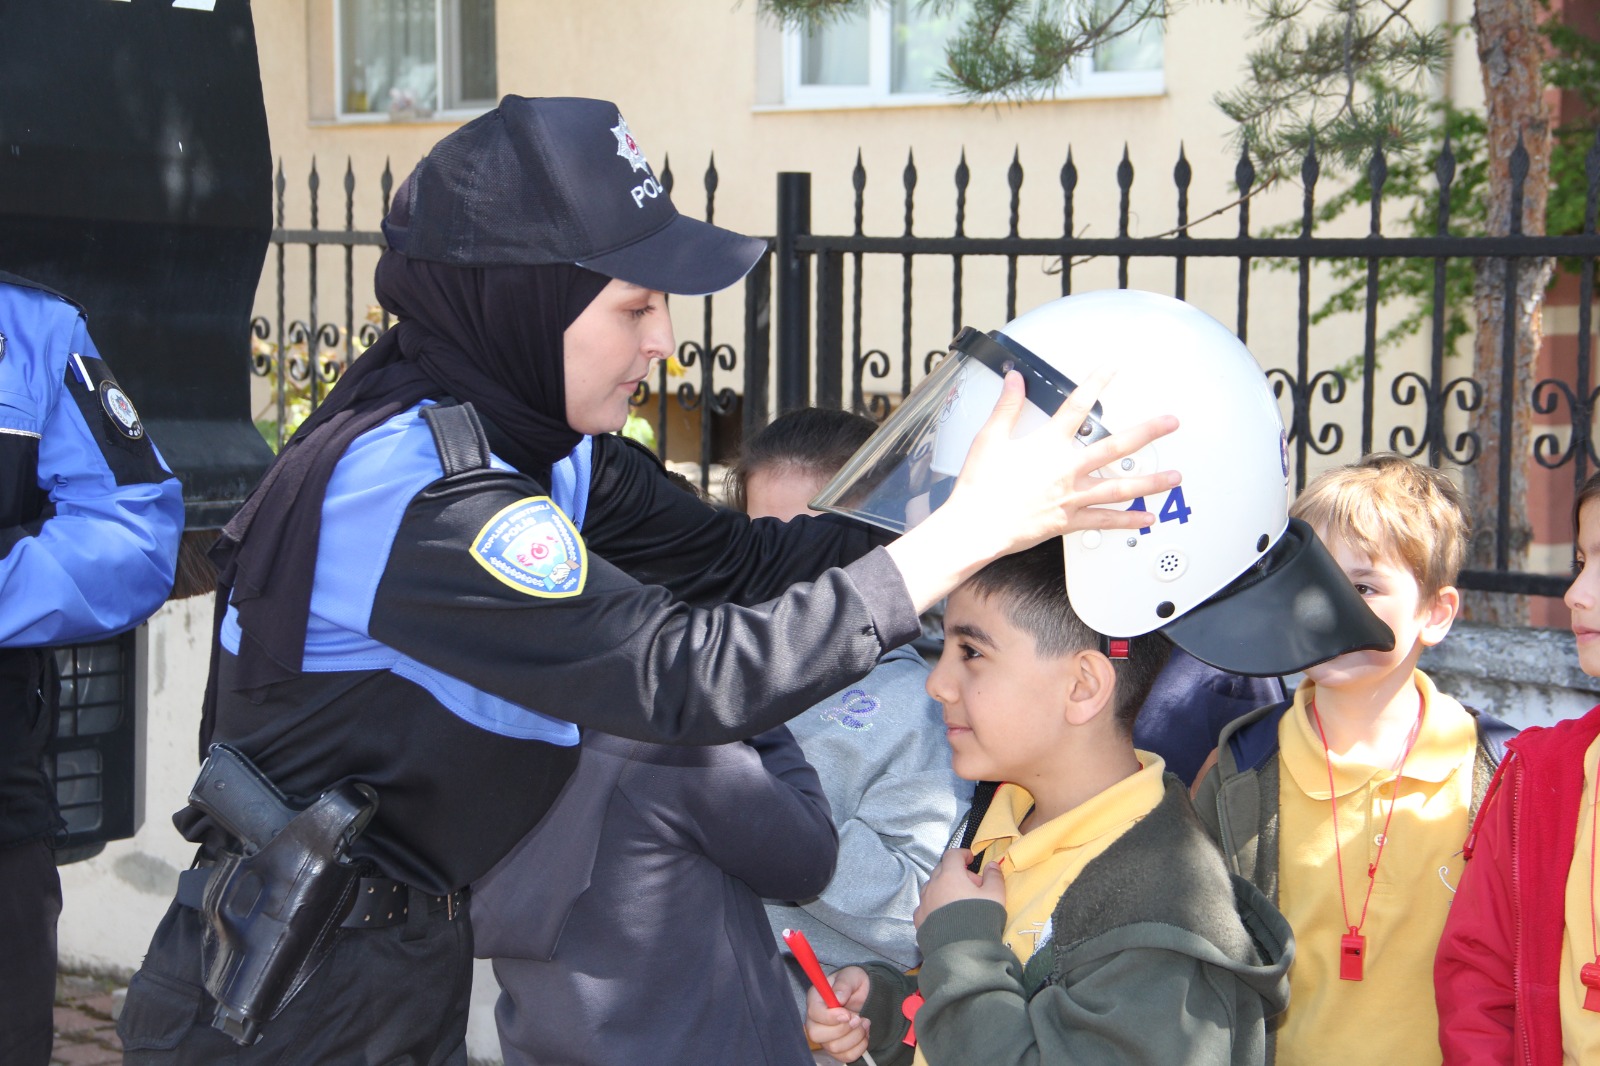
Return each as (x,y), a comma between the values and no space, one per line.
(374,483)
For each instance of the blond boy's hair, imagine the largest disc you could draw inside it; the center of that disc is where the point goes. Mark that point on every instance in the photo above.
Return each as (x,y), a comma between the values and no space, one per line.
(1388,507)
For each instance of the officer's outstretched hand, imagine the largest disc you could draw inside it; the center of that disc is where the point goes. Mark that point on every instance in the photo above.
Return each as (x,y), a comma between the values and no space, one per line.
(1014,493)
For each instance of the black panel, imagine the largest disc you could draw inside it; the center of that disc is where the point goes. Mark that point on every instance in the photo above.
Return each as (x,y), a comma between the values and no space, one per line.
(93,760)
(135,176)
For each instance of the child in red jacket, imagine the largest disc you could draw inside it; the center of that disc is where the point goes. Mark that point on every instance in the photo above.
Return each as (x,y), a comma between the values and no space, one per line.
(1517,976)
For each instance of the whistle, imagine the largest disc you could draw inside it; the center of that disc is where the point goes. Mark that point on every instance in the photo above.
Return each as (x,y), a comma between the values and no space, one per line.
(1353,953)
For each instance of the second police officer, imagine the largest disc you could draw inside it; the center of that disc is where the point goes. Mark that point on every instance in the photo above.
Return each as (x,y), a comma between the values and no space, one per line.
(90,519)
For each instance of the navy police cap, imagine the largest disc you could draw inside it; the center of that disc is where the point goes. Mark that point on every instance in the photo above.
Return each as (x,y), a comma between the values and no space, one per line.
(559,180)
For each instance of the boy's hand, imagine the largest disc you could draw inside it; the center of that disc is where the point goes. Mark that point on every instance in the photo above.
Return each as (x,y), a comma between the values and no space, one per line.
(840,1031)
(952,880)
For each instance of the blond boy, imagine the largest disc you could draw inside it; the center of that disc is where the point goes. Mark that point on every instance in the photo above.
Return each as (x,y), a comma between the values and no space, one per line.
(1347,806)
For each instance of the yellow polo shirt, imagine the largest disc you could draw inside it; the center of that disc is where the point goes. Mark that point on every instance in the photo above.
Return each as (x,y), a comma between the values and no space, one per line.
(1389,1015)
(1040,864)
(1580,1029)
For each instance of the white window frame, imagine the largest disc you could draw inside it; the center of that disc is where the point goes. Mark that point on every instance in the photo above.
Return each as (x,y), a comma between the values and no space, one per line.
(446,33)
(1080,81)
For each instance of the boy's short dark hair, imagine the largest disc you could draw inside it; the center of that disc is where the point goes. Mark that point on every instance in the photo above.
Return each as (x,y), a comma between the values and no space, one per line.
(1030,588)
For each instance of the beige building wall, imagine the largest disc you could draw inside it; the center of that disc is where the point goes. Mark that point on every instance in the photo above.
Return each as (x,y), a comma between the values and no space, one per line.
(698,78)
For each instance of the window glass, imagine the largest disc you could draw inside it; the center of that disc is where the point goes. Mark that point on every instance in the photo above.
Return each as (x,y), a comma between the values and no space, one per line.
(917,43)
(476,53)
(391,54)
(889,51)
(1139,49)
(837,52)
(391,58)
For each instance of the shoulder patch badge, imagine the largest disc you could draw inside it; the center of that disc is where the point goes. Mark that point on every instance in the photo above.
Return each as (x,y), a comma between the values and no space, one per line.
(853,710)
(534,548)
(121,409)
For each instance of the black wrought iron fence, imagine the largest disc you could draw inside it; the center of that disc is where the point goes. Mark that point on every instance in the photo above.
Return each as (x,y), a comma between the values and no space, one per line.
(807,335)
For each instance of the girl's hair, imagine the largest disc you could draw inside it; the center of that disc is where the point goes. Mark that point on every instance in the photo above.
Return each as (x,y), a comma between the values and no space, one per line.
(1589,491)
(816,440)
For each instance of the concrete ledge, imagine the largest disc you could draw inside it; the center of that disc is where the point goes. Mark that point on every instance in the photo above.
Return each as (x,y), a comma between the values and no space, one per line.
(1525,676)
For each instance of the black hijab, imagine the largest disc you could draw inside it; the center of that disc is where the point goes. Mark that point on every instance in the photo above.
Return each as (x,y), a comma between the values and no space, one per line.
(489,336)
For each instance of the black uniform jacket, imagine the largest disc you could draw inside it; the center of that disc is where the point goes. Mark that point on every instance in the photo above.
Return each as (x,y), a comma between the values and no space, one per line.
(635,648)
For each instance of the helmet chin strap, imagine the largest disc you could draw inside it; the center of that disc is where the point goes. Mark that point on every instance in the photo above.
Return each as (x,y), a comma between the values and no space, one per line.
(1115,648)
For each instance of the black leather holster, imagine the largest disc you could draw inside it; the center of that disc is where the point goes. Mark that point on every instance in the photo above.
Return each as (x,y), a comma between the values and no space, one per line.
(272,908)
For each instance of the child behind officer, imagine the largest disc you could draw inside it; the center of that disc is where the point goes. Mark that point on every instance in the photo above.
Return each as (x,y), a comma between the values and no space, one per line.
(1104,927)
(1347,806)
(878,746)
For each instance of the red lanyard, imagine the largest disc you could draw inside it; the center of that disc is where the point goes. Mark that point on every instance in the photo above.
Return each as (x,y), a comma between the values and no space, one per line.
(1353,945)
(1590,973)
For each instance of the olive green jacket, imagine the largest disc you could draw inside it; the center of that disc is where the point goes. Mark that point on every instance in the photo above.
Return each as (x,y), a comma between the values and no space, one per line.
(1156,955)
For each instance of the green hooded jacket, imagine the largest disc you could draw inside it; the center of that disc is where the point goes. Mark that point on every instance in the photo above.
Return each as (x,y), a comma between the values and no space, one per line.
(1157,955)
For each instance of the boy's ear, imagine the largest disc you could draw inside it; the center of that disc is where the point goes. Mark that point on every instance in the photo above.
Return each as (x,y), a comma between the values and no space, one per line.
(1440,615)
(1091,686)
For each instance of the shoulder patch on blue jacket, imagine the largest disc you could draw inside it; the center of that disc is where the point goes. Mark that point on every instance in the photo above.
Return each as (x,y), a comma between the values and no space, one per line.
(534,548)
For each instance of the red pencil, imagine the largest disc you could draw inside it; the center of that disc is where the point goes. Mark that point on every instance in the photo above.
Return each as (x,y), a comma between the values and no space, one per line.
(808,962)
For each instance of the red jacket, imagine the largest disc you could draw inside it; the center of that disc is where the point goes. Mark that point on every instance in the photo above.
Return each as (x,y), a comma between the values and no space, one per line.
(1499,961)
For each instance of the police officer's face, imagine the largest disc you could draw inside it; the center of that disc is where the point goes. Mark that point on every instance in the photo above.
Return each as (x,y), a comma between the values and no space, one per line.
(609,349)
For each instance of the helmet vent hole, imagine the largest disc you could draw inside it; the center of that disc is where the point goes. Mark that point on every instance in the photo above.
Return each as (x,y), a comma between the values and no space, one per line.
(1170,565)
(1262,542)
(1164,609)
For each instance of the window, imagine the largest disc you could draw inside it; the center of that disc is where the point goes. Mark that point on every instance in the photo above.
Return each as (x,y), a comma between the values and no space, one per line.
(406,58)
(893,53)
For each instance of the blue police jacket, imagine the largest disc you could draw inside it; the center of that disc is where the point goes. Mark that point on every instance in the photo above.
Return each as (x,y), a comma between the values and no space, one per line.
(90,519)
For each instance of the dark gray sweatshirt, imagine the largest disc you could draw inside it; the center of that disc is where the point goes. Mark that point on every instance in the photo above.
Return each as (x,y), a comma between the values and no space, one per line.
(628,928)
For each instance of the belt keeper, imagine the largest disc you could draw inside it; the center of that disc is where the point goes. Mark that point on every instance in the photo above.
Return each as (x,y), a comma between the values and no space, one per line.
(416,914)
(1114,648)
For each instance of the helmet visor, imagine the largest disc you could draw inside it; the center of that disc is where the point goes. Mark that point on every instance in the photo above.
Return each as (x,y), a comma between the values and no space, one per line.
(1292,610)
(907,469)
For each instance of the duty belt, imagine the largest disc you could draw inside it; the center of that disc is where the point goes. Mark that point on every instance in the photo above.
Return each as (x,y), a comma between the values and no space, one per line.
(379,902)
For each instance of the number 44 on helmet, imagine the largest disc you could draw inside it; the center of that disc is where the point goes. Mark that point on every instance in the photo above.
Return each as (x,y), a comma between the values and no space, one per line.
(1223,571)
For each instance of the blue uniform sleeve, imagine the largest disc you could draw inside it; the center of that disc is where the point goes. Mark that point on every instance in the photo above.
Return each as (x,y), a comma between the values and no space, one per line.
(101,556)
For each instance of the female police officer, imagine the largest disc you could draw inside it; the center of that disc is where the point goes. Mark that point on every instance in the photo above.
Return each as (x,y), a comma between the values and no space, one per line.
(413,626)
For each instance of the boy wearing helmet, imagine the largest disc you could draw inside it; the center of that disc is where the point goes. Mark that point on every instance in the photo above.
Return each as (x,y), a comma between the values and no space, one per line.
(1348,805)
(1103,926)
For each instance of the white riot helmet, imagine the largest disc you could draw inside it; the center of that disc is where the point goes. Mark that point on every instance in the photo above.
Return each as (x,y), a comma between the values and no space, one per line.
(1222,571)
